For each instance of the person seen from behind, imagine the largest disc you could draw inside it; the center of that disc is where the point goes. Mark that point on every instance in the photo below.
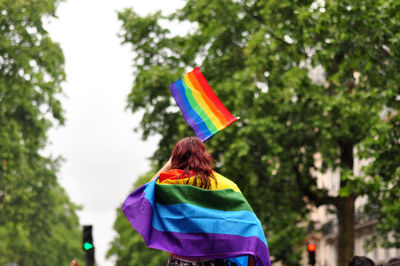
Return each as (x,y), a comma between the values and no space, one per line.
(190,159)
(361,261)
(393,262)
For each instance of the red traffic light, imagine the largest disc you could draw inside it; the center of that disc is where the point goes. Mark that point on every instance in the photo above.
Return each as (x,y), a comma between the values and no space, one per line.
(311,247)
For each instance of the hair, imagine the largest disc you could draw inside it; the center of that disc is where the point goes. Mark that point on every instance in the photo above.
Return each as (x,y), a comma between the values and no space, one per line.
(361,261)
(191,156)
(393,262)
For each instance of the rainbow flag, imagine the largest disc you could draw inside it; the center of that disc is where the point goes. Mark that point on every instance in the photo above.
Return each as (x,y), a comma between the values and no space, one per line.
(200,107)
(192,222)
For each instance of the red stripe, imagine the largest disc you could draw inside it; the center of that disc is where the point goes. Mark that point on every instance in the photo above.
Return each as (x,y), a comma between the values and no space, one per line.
(210,93)
(173,174)
(213,108)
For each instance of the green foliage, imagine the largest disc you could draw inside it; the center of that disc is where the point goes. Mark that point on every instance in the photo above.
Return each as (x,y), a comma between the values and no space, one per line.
(128,246)
(38,224)
(384,186)
(260,57)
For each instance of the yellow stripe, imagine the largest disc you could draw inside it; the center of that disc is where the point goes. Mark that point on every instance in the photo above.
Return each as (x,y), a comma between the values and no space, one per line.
(202,103)
(220,182)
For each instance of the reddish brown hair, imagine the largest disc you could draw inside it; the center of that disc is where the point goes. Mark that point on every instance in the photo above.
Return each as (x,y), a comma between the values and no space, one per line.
(191,156)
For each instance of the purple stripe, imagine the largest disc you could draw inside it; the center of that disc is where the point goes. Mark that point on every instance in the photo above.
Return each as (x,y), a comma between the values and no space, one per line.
(192,106)
(139,212)
(201,245)
(178,99)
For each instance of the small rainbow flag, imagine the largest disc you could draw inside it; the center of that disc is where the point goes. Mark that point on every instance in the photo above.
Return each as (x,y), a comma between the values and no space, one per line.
(173,215)
(200,107)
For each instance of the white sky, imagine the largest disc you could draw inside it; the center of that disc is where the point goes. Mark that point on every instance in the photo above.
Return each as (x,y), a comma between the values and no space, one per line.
(103,154)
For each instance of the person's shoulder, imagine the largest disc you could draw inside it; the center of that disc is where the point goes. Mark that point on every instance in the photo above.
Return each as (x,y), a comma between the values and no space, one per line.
(224,183)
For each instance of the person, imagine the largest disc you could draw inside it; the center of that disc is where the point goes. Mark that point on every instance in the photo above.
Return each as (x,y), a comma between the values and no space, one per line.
(191,159)
(361,261)
(74,262)
(204,220)
(393,262)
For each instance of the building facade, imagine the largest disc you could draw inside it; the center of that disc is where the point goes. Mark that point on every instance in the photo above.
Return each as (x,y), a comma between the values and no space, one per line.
(326,222)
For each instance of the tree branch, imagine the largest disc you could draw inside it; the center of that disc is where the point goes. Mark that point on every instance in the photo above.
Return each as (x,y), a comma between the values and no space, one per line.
(272,34)
(319,198)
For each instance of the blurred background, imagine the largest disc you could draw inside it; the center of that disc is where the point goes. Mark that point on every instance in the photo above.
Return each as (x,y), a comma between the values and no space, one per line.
(86,116)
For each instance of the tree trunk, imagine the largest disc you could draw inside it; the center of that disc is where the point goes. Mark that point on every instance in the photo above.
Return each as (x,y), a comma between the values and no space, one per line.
(345,213)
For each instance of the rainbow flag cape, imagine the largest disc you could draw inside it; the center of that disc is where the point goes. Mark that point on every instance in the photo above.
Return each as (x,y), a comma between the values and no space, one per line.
(200,107)
(192,222)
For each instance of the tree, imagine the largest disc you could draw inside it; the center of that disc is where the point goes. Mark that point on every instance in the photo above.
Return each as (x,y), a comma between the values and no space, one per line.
(38,224)
(261,58)
(384,186)
(128,246)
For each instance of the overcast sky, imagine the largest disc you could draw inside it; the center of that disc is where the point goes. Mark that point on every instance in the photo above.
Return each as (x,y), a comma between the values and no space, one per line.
(103,154)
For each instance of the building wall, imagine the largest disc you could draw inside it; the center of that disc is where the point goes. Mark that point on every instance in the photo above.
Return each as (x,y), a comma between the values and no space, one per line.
(326,253)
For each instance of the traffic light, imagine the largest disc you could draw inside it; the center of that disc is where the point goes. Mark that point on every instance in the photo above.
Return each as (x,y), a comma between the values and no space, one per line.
(311,253)
(87,244)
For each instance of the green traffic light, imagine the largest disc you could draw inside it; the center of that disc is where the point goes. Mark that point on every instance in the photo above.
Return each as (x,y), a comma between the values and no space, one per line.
(87,246)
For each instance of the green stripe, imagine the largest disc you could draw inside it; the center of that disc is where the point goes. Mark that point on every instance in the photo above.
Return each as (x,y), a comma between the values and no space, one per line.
(196,107)
(223,199)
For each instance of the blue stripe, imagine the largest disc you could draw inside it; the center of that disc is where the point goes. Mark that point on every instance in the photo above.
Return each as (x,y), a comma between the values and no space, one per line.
(149,192)
(191,112)
(178,99)
(174,218)
(199,110)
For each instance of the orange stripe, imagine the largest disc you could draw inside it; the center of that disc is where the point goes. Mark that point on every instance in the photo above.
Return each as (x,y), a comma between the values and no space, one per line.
(209,102)
(210,93)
